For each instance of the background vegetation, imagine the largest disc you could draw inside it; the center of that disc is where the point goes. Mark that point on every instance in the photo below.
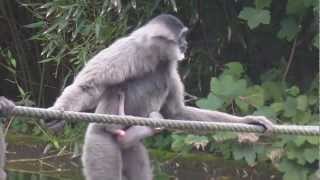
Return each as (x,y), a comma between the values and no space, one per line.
(245,57)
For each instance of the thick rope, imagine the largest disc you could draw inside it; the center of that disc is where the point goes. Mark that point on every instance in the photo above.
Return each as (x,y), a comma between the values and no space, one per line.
(166,123)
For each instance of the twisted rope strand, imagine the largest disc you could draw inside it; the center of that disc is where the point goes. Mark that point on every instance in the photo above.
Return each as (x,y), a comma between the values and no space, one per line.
(166,123)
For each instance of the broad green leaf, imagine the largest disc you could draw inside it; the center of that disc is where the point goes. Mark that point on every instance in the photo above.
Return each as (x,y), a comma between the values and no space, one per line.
(296,154)
(299,140)
(290,107)
(302,117)
(302,102)
(293,91)
(227,86)
(262,3)
(315,175)
(289,29)
(313,140)
(295,7)
(255,96)
(277,107)
(312,99)
(246,152)
(212,102)
(243,106)
(223,136)
(265,111)
(311,154)
(273,90)
(178,142)
(292,171)
(255,17)
(234,69)
(216,86)
(272,75)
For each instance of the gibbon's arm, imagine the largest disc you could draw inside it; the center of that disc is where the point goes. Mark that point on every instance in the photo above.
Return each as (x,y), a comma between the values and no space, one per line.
(175,109)
(111,66)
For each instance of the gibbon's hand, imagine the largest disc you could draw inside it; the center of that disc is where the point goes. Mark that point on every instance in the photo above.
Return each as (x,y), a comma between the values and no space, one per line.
(54,125)
(260,120)
(6,106)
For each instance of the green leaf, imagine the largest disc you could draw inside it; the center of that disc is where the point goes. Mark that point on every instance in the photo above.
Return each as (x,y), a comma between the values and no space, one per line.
(302,102)
(274,90)
(35,25)
(312,99)
(315,175)
(299,140)
(234,69)
(255,17)
(313,140)
(311,154)
(243,106)
(277,107)
(265,111)
(292,171)
(289,29)
(178,142)
(212,102)
(302,117)
(296,154)
(290,107)
(260,4)
(98,27)
(273,74)
(248,152)
(56,143)
(223,136)
(255,96)
(228,87)
(295,7)
(293,91)
(51,28)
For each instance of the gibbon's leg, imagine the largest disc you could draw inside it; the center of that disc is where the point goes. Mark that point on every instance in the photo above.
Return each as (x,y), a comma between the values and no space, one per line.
(2,154)
(6,106)
(102,158)
(137,163)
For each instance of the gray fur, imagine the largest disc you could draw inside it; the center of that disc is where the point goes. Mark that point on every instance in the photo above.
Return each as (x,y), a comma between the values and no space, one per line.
(6,106)
(129,154)
(2,155)
(143,65)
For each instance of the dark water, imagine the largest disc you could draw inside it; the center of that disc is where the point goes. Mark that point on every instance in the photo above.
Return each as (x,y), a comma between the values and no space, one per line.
(25,162)
(63,168)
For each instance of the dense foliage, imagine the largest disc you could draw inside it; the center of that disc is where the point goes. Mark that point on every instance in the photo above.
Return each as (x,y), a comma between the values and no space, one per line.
(246,57)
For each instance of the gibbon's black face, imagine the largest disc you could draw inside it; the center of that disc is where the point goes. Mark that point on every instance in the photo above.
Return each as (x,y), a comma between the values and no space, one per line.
(178,32)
